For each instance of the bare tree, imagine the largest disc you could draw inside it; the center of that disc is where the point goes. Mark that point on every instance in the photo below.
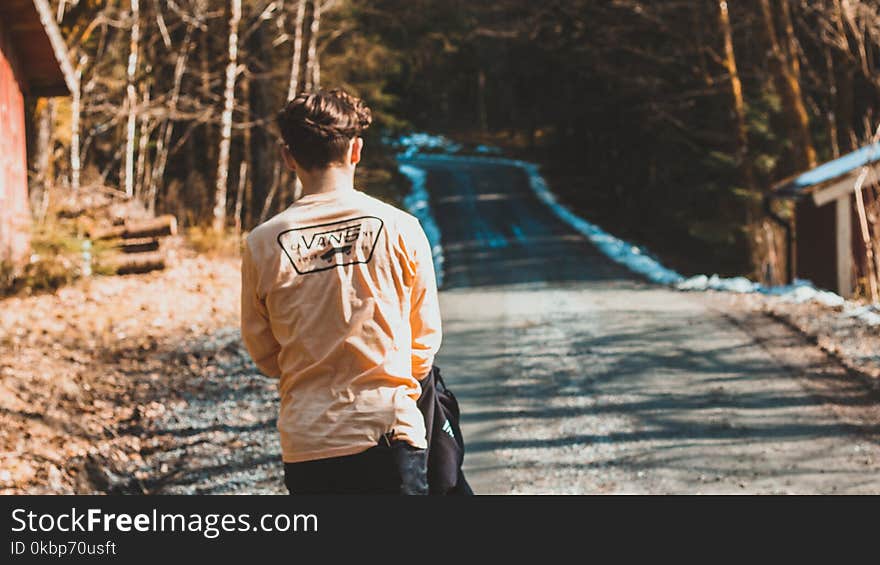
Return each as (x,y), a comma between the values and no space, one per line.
(296,62)
(76,100)
(786,78)
(872,270)
(239,195)
(313,66)
(736,93)
(164,139)
(131,90)
(143,141)
(226,121)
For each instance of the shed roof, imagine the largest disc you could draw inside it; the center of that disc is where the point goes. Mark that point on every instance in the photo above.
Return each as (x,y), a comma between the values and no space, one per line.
(831,180)
(39,47)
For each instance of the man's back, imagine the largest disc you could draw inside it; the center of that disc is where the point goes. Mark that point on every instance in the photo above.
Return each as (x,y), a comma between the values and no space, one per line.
(339,301)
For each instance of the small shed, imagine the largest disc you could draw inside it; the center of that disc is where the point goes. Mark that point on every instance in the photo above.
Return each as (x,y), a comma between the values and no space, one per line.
(33,62)
(828,248)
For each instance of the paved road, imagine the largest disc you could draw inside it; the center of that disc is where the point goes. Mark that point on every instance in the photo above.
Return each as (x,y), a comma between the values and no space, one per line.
(577,377)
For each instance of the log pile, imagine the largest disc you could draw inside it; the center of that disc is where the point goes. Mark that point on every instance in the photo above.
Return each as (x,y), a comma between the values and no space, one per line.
(125,238)
(132,229)
(139,263)
(139,243)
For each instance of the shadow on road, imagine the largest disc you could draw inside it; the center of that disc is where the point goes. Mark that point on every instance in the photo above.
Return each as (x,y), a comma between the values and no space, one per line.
(626,394)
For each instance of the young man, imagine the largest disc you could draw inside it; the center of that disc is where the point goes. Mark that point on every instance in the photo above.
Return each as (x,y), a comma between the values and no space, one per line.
(339,302)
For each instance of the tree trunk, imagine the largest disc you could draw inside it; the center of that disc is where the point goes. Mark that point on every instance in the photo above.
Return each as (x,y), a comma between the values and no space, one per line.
(846,110)
(128,173)
(239,195)
(313,66)
(790,91)
(872,268)
(261,148)
(832,104)
(844,77)
(705,74)
(871,273)
(43,150)
(164,138)
(143,141)
(737,101)
(226,120)
(296,63)
(791,46)
(202,147)
(75,111)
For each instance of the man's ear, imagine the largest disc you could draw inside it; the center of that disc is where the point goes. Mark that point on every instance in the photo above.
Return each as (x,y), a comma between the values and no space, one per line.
(288,159)
(357,144)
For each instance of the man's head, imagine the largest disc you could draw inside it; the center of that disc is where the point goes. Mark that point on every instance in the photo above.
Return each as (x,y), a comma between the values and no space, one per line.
(322,129)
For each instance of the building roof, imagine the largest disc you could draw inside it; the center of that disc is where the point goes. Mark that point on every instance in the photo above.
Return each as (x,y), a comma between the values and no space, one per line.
(833,179)
(38,46)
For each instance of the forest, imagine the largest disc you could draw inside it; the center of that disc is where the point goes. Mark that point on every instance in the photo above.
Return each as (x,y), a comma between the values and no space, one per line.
(665,122)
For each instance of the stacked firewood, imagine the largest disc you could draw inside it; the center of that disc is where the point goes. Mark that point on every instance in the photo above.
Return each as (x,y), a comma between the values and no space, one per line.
(139,243)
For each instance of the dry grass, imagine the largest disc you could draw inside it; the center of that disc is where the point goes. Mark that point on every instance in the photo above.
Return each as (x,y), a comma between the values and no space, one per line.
(58,257)
(206,241)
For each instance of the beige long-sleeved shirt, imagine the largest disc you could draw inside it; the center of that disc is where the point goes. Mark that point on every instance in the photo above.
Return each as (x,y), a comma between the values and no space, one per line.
(339,301)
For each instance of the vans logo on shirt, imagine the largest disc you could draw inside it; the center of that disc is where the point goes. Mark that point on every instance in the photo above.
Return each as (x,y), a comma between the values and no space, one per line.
(337,244)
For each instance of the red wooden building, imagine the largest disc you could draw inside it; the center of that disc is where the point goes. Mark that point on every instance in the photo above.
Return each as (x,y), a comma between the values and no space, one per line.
(33,62)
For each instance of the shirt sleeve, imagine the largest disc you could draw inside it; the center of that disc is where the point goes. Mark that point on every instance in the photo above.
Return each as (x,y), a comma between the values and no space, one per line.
(256,332)
(425,306)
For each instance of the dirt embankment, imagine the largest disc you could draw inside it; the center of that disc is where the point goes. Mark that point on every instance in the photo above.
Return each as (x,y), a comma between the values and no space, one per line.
(851,341)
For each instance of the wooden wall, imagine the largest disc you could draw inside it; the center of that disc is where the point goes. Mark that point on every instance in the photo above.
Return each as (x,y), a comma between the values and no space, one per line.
(816,244)
(14,208)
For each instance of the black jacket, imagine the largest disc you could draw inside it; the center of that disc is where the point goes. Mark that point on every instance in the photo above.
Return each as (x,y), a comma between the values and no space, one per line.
(445,442)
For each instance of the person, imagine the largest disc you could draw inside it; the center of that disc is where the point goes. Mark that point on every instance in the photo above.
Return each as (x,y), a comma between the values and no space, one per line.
(339,302)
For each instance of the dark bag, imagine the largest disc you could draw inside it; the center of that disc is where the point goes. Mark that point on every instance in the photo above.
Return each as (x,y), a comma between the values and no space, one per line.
(445,442)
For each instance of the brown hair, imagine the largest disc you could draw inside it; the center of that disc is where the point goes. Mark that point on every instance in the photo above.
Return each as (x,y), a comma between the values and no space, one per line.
(317,127)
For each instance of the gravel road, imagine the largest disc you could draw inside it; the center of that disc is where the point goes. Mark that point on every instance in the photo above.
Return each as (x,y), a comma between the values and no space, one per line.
(574,375)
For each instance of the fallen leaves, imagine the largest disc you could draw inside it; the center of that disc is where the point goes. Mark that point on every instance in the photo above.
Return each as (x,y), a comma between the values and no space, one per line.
(81,367)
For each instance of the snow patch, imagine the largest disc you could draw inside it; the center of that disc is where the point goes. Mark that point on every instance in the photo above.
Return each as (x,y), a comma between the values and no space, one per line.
(800,292)
(631,256)
(804,291)
(415,143)
(702,282)
(867,314)
(416,202)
